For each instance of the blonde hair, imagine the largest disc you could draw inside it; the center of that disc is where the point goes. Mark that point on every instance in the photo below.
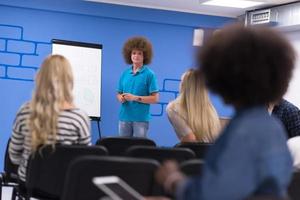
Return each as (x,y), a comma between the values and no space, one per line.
(195,105)
(54,84)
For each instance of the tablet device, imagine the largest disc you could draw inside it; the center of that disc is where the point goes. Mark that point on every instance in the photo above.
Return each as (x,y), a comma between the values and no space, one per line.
(116,188)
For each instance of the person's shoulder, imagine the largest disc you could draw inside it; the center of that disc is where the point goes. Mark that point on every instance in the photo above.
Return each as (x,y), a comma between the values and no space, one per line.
(78,112)
(126,71)
(23,112)
(289,106)
(257,127)
(148,70)
(25,107)
(259,122)
(172,106)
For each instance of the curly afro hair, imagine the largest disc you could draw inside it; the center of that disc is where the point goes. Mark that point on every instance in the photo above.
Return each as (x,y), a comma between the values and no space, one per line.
(247,66)
(138,43)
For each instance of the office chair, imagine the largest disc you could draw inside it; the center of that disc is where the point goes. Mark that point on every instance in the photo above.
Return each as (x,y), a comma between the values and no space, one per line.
(46,170)
(118,145)
(160,153)
(199,148)
(138,173)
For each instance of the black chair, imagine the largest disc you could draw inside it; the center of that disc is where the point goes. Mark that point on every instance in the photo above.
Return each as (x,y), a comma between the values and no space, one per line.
(199,148)
(293,189)
(9,178)
(160,153)
(192,167)
(47,168)
(117,146)
(138,173)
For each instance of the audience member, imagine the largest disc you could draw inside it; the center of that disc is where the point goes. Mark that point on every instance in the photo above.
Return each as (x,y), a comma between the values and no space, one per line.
(137,88)
(289,115)
(50,117)
(250,158)
(192,115)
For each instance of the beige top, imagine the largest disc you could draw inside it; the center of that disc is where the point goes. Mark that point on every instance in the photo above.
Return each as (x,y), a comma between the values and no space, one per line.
(177,120)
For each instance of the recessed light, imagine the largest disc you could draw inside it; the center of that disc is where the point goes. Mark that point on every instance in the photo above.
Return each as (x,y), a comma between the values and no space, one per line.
(233,3)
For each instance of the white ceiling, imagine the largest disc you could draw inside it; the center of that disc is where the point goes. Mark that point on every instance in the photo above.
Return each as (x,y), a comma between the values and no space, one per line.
(191,6)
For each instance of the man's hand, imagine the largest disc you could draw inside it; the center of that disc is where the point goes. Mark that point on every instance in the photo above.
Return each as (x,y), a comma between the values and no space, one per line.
(121,98)
(129,97)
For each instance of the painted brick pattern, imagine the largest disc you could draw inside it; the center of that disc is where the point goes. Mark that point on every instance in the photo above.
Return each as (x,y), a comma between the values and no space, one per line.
(43,49)
(20,58)
(36,60)
(20,46)
(168,93)
(171,85)
(9,58)
(2,71)
(11,32)
(157,109)
(21,73)
(166,96)
(2,44)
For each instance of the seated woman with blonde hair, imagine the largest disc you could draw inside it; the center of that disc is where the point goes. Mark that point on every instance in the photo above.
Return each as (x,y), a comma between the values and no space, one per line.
(192,115)
(50,117)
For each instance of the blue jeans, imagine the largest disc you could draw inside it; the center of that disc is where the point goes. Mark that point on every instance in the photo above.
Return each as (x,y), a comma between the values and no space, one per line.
(133,129)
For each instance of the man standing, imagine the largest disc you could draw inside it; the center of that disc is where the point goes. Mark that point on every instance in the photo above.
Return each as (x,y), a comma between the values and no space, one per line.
(137,89)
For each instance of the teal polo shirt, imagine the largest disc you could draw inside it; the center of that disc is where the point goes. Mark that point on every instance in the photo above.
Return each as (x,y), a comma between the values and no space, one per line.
(142,83)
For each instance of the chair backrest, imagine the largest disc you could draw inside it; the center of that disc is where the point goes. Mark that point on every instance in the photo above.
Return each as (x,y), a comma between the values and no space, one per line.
(293,189)
(118,145)
(199,148)
(47,168)
(138,173)
(10,169)
(192,167)
(161,153)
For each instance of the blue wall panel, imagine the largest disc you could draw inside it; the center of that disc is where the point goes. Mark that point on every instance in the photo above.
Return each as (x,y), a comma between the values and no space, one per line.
(26,31)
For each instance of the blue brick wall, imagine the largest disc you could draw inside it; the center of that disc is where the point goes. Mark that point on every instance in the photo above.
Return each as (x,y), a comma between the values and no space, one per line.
(12,32)
(33,60)
(157,110)
(21,73)
(2,71)
(20,58)
(20,46)
(43,49)
(2,44)
(171,85)
(167,96)
(9,58)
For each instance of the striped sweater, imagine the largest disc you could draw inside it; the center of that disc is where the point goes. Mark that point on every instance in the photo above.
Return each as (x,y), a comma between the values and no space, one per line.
(73,128)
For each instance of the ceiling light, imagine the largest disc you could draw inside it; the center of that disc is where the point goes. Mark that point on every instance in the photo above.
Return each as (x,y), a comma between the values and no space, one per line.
(233,3)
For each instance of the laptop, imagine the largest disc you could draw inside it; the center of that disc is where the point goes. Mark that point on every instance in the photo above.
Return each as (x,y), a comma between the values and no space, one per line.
(116,189)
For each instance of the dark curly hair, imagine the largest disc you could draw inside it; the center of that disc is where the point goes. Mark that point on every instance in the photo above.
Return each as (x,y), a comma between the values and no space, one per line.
(247,66)
(138,43)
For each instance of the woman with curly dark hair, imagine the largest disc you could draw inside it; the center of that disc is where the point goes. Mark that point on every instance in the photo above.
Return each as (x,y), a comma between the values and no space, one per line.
(137,88)
(249,67)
